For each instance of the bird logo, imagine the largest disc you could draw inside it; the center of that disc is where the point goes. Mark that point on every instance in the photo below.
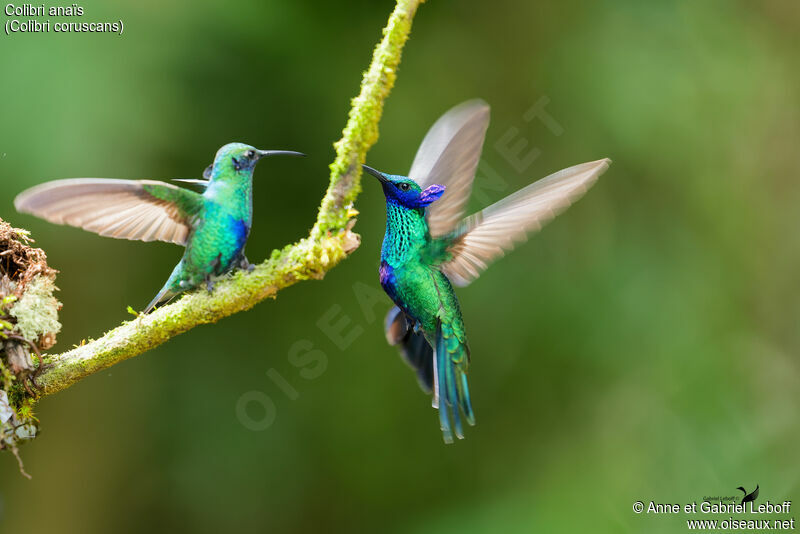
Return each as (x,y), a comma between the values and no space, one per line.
(748,497)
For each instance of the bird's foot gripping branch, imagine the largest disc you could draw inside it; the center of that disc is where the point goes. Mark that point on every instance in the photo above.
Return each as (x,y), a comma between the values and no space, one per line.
(29,310)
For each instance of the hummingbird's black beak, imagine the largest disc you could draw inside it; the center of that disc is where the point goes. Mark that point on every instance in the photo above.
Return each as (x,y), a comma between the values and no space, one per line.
(265,153)
(377,174)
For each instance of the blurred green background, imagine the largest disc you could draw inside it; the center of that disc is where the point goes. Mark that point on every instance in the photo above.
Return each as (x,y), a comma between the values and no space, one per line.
(644,346)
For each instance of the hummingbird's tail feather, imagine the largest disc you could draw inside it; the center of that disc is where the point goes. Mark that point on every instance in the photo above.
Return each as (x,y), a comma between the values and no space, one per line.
(172,287)
(414,348)
(442,371)
(451,393)
(164,294)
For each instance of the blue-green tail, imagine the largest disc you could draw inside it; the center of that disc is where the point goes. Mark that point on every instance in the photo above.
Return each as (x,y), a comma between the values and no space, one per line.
(451,395)
(170,289)
(442,372)
(164,294)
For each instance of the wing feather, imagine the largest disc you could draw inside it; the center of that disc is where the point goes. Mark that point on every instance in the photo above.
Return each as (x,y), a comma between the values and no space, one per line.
(143,210)
(448,156)
(490,233)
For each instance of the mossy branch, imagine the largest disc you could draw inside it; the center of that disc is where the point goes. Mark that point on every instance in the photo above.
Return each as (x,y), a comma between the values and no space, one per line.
(330,241)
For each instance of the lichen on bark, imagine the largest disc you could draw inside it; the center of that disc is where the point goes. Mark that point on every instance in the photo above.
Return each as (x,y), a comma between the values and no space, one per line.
(28,321)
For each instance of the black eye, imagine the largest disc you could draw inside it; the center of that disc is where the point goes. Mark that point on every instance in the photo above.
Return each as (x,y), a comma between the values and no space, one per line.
(250,154)
(404,186)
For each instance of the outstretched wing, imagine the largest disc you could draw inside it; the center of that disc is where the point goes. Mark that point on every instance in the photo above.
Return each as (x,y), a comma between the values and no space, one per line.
(490,233)
(448,156)
(142,210)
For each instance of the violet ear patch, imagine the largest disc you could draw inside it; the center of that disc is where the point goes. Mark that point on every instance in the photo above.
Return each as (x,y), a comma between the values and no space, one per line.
(431,194)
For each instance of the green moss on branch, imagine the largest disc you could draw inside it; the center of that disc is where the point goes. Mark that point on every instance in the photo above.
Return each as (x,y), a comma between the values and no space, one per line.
(361,131)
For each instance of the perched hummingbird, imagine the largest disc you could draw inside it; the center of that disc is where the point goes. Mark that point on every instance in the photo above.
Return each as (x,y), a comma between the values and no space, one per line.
(428,247)
(213,225)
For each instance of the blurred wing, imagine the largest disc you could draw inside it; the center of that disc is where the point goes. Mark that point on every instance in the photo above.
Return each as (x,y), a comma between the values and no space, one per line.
(143,210)
(489,234)
(449,156)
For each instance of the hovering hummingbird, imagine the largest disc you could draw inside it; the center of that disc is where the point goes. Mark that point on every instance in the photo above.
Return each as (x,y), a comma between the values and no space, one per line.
(212,225)
(428,247)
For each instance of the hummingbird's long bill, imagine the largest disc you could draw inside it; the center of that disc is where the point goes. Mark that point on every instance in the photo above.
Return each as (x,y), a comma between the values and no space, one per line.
(377,174)
(267,153)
